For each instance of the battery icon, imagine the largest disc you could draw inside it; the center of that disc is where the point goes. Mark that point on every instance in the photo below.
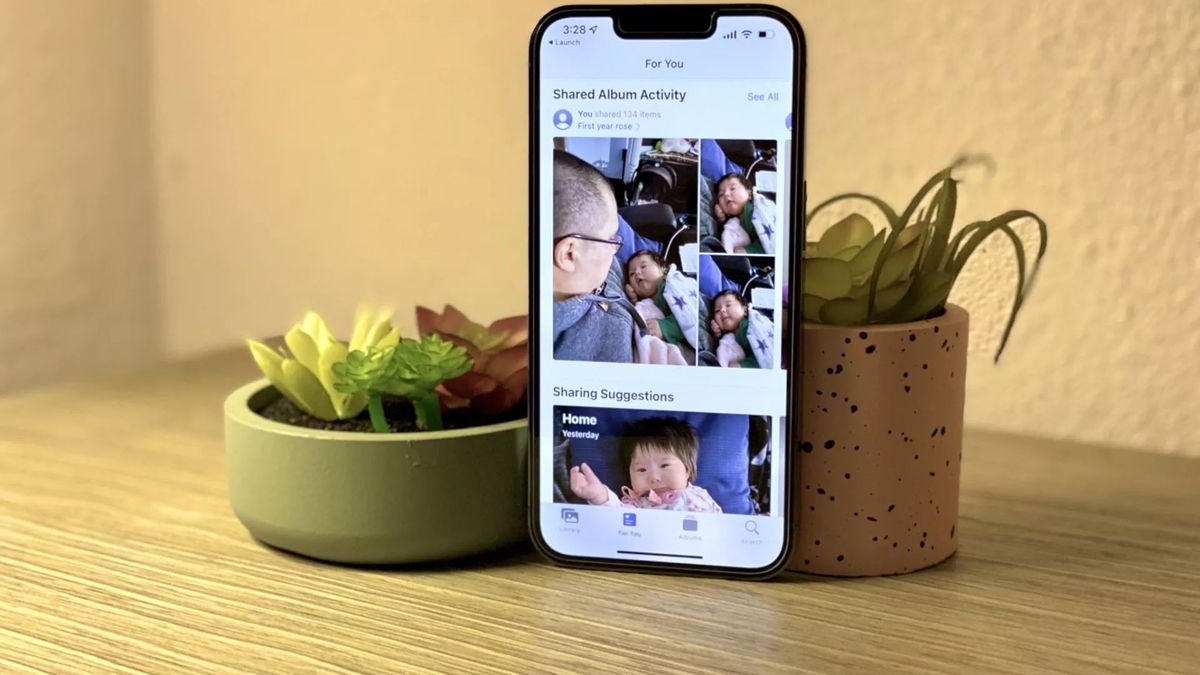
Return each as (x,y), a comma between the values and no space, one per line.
(766,33)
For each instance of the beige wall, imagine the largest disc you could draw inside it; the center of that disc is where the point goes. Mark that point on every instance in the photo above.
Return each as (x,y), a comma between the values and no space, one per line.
(309,154)
(312,154)
(1092,112)
(77,277)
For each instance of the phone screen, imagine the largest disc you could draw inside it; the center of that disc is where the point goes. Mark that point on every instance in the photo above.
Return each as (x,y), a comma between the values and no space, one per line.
(665,193)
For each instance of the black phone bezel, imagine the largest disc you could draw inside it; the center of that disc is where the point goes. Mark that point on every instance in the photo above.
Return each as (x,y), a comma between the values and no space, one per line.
(701,22)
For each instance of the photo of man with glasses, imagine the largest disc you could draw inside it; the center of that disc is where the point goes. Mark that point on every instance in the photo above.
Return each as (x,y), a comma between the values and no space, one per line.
(593,318)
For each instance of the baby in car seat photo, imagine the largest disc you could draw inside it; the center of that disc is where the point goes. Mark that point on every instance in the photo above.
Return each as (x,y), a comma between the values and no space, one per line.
(661,455)
(646,279)
(729,325)
(733,208)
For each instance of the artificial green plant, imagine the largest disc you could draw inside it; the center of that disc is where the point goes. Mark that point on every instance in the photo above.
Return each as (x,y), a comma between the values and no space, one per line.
(305,376)
(412,369)
(854,275)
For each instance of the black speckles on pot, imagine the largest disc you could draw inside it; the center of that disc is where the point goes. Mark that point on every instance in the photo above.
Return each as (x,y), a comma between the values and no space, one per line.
(889,486)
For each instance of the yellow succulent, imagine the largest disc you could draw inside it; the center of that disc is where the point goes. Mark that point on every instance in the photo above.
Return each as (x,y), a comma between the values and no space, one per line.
(306,375)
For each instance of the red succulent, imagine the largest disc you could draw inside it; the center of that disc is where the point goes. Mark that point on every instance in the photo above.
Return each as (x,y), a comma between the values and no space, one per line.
(500,352)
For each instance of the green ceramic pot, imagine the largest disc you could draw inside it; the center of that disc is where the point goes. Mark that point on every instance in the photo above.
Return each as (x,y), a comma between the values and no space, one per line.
(372,498)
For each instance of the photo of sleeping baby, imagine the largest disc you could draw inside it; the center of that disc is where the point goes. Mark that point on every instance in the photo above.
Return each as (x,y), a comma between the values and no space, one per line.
(737,311)
(675,461)
(625,250)
(738,196)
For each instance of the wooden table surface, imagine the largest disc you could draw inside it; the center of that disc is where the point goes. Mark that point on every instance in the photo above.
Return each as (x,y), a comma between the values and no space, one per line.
(119,552)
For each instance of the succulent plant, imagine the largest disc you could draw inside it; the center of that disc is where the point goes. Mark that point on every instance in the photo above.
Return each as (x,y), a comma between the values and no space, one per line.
(412,369)
(500,354)
(855,275)
(306,375)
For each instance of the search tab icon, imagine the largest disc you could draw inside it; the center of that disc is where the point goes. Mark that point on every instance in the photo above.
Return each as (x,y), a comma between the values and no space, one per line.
(752,526)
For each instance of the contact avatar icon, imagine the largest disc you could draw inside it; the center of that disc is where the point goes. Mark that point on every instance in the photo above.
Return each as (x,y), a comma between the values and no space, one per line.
(562,119)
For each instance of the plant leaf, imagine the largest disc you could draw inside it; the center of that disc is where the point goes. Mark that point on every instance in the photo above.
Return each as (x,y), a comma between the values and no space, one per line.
(826,277)
(269,361)
(888,296)
(900,263)
(504,363)
(317,329)
(427,320)
(306,391)
(911,233)
(470,385)
(944,174)
(853,230)
(417,368)
(376,333)
(845,311)
(1002,223)
(864,261)
(334,352)
(884,253)
(812,308)
(926,294)
(303,347)
(516,327)
(847,254)
(452,319)
(956,241)
(472,350)
(504,396)
(362,323)
(390,340)
(946,202)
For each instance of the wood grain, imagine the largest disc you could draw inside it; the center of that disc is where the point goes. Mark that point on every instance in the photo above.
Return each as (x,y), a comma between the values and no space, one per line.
(119,553)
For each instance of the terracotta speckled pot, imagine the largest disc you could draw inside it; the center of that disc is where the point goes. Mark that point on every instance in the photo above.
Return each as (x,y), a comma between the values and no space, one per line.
(881,445)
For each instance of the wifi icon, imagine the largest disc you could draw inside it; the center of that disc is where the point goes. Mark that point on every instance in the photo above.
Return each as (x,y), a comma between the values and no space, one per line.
(747,33)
